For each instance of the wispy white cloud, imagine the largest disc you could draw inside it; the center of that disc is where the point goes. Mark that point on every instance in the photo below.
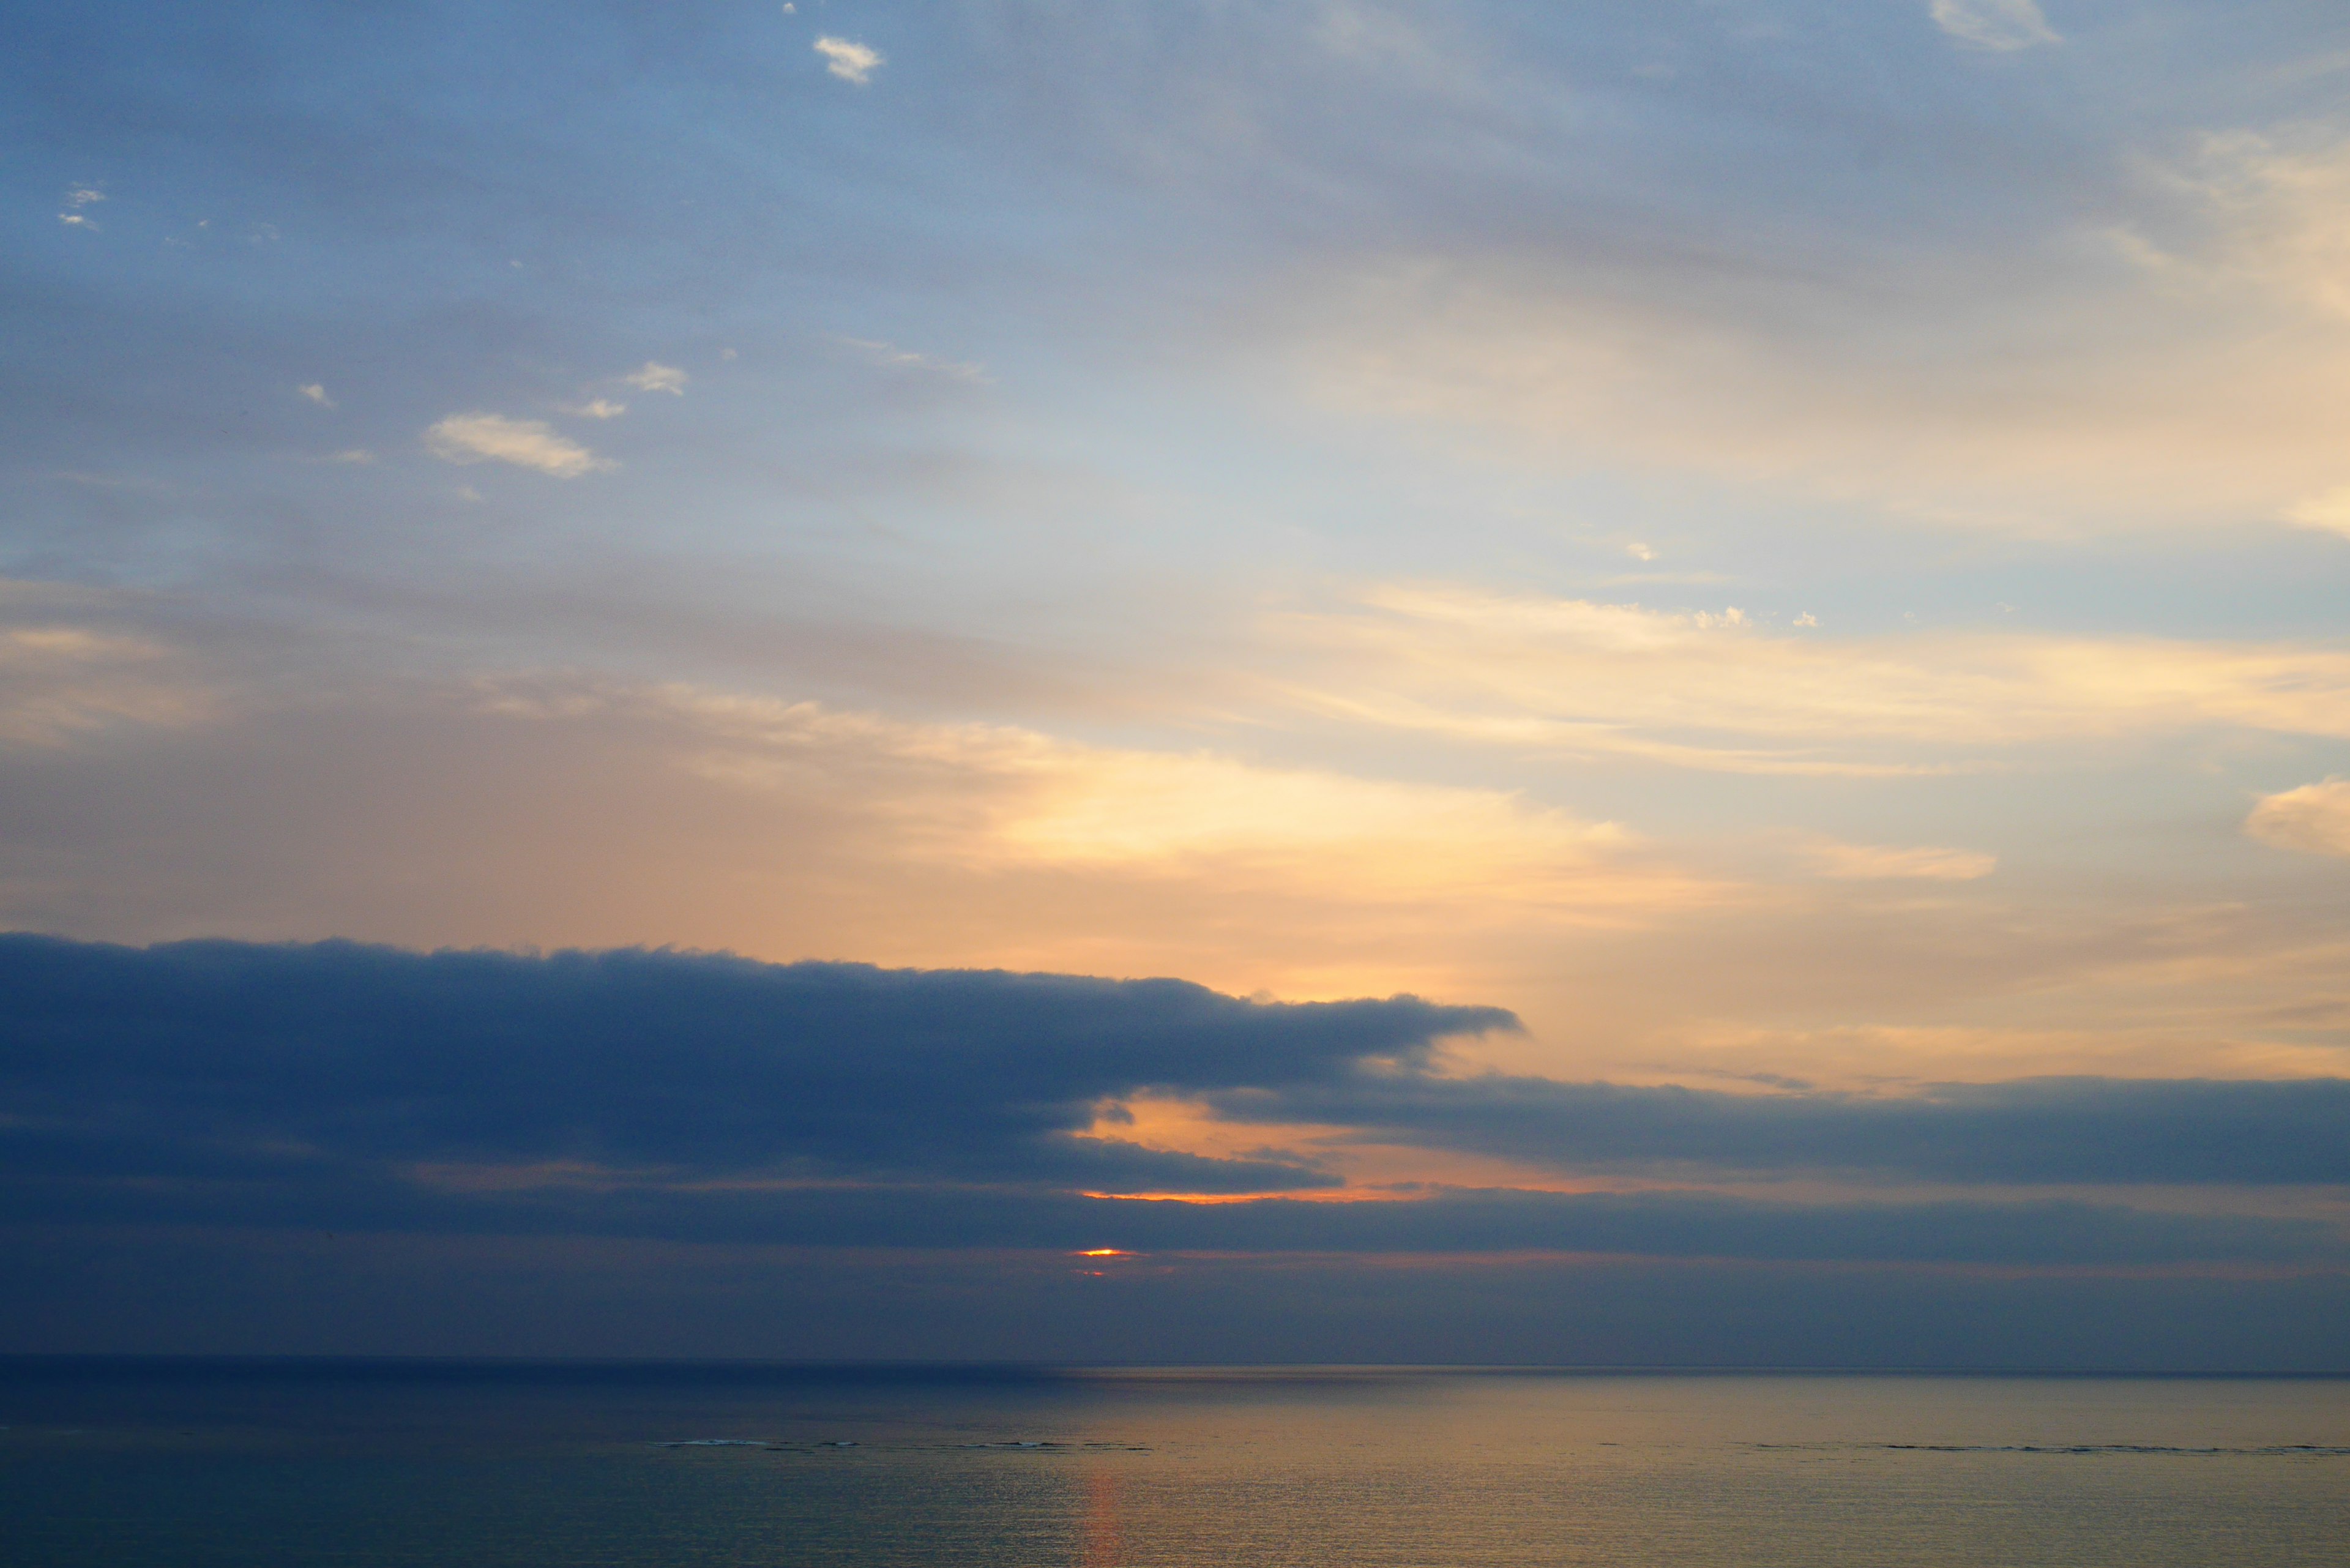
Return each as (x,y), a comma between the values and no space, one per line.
(2186,400)
(75,198)
(2276,211)
(989,797)
(60,682)
(527,443)
(317,394)
(2314,819)
(655,377)
(2329,513)
(1870,862)
(898,358)
(848,60)
(1715,690)
(596,408)
(2001,24)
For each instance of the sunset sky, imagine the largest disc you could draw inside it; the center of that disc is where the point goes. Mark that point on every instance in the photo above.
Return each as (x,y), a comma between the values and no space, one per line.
(1779,566)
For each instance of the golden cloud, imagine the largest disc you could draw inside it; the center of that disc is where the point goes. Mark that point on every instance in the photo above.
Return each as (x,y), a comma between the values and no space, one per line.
(2314,819)
(1719,692)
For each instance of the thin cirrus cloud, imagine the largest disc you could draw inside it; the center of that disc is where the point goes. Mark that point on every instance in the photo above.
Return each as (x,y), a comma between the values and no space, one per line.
(889,356)
(850,60)
(1709,690)
(2262,213)
(2314,819)
(61,683)
(2328,512)
(526,444)
(2177,361)
(1879,862)
(989,796)
(2004,25)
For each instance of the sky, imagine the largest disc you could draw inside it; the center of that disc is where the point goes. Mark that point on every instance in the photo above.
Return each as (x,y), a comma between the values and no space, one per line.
(1454,681)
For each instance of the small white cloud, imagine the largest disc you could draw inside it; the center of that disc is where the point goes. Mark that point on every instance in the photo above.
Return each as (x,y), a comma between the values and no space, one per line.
(898,358)
(527,443)
(2314,819)
(851,62)
(1877,861)
(789,9)
(1807,619)
(1730,617)
(358,454)
(2002,25)
(1640,552)
(657,378)
(75,198)
(317,394)
(596,408)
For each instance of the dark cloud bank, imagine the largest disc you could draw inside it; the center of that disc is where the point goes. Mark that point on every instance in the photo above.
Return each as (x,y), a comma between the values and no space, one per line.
(152,1098)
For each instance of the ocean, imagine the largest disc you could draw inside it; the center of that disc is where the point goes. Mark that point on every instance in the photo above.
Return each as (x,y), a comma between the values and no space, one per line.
(188,1464)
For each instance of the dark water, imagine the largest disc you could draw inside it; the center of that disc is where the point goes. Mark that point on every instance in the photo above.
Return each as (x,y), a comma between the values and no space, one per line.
(163,1465)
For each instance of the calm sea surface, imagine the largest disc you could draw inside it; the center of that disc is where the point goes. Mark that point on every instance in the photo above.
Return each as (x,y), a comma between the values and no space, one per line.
(167,1465)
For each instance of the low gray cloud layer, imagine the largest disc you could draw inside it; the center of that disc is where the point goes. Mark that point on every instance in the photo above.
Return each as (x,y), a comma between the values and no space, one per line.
(711,1099)
(231,1060)
(2033,1130)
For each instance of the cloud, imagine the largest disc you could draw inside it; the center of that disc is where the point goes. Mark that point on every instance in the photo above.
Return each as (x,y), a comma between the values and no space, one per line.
(1860,861)
(227,1062)
(2075,401)
(1719,692)
(527,443)
(60,682)
(997,797)
(851,62)
(2271,210)
(895,358)
(596,408)
(75,198)
(2036,1131)
(2000,24)
(317,394)
(706,1098)
(2329,513)
(655,377)
(2315,819)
